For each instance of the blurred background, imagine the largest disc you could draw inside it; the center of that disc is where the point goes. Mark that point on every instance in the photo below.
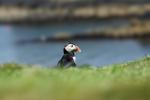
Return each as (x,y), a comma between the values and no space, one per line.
(107,31)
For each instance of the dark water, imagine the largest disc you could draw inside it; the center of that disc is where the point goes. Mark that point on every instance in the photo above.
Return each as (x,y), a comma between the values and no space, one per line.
(94,52)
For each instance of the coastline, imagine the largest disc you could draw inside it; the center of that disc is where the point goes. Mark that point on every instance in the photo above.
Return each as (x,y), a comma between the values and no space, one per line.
(136,29)
(21,15)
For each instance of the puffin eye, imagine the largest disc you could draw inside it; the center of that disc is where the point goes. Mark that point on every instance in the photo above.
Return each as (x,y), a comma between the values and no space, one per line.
(72,45)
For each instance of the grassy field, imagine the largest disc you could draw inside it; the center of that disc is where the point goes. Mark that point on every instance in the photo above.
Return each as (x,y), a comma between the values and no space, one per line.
(130,81)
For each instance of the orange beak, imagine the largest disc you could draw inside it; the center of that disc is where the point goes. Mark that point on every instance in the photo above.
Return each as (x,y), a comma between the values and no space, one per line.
(77,49)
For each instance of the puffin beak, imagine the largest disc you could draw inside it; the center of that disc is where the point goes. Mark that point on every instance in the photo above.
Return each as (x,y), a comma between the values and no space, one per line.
(78,49)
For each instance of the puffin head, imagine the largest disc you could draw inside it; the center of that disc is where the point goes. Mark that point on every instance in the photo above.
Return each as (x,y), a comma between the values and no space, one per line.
(71,48)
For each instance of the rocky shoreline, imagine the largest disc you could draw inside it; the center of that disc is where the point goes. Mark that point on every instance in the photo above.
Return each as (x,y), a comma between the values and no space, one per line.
(15,14)
(137,29)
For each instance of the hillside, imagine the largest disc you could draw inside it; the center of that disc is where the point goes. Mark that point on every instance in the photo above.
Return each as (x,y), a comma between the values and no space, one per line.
(128,81)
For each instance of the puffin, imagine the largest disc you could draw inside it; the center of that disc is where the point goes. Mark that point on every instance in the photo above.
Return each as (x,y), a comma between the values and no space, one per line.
(68,59)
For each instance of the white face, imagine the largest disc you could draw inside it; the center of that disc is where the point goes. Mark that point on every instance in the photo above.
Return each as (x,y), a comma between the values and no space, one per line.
(70,47)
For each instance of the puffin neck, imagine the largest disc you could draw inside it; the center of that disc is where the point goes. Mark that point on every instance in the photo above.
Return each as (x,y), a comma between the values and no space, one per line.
(68,53)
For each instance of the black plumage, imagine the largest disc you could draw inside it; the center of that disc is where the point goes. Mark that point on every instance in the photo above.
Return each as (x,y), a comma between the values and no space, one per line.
(67,60)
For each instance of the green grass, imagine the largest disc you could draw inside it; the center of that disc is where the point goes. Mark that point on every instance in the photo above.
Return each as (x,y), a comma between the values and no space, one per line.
(130,81)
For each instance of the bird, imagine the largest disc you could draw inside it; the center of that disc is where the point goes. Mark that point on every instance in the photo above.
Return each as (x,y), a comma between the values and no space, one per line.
(68,59)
